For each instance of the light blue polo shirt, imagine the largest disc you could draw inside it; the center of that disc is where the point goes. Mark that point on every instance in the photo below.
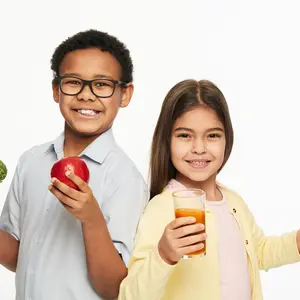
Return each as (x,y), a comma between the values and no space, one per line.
(52,260)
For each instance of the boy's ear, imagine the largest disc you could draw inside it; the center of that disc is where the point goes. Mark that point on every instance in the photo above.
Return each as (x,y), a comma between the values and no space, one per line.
(55,90)
(127,94)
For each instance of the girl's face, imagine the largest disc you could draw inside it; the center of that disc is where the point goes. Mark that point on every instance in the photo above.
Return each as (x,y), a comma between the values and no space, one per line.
(197,146)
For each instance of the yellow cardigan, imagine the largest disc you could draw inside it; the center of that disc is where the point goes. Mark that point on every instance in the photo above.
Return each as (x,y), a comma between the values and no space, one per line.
(150,278)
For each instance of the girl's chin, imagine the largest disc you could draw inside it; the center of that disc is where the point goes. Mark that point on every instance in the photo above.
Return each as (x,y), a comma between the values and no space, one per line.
(196,178)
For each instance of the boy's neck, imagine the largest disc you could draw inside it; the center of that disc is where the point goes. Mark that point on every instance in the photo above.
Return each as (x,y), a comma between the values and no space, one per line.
(74,144)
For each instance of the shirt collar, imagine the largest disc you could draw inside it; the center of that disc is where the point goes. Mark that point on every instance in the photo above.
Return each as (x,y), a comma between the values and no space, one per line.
(98,150)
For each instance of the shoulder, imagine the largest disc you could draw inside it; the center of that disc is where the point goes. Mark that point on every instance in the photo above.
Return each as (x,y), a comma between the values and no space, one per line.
(232,196)
(121,176)
(161,203)
(121,167)
(228,191)
(158,213)
(31,154)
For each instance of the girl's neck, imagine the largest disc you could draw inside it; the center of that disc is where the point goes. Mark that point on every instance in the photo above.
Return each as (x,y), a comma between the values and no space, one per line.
(209,186)
(74,143)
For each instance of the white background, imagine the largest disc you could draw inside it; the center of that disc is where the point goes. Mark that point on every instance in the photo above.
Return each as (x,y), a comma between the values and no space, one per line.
(250,49)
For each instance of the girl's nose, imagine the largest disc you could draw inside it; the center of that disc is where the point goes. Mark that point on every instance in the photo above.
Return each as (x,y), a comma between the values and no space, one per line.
(199,147)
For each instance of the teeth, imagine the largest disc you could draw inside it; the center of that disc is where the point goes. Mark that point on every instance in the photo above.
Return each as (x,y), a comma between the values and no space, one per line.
(199,163)
(87,112)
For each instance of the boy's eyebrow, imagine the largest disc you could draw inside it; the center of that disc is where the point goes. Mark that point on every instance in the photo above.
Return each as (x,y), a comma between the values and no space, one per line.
(102,76)
(95,76)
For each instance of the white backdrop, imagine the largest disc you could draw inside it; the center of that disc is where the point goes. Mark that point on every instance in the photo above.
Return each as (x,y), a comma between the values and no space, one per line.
(249,48)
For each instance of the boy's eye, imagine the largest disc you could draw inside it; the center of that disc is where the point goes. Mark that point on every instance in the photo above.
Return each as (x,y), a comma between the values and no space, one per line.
(72,82)
(100,84)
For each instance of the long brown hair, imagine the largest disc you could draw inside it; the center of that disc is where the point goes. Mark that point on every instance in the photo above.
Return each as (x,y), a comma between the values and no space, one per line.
(184,96)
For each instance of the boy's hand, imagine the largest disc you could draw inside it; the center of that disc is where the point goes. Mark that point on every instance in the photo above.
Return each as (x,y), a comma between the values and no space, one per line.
(81,204)
(182,236)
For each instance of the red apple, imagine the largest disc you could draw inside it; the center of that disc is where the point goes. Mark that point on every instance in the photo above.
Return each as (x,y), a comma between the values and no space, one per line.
(74,164)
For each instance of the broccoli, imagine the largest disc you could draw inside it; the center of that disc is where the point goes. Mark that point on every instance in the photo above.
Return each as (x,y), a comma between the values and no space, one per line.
(3,171)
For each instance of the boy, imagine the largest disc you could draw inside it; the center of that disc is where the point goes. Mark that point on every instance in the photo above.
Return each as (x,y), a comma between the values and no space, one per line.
(74,245)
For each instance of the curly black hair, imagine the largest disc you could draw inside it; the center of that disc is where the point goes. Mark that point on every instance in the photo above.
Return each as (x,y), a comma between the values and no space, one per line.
(95,39)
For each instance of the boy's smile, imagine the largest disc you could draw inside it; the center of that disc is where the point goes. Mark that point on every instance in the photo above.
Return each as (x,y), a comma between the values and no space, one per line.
(87,112)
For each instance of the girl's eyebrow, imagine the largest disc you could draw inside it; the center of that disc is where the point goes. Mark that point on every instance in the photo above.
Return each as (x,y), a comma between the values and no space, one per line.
(191,130)
(215,129)
(183,129)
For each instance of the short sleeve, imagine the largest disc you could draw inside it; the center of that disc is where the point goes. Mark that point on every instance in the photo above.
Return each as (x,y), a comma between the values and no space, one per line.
(10,215)
(123,211)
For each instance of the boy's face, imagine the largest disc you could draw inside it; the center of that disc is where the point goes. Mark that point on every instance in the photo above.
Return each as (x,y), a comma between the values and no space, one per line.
(85,113)
(197,146)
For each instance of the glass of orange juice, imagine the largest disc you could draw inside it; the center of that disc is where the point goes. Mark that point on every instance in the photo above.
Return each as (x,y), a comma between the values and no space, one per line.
(191,203)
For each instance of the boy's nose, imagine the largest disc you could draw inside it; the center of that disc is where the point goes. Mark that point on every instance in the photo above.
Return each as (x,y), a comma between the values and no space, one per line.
(86,94)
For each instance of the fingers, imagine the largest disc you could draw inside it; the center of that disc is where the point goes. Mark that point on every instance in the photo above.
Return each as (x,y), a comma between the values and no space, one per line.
(191,249)
(65,189)
(187,230)
(64,199)
(191,240)
(188,238)
(82,185)
(181,222)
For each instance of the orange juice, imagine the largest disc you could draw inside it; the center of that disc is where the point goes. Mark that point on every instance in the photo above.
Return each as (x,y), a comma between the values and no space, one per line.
(199,215)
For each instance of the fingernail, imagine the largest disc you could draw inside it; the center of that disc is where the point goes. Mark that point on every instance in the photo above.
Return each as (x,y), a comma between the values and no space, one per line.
(68,173)
(201,227)
(53,180)
(192,219)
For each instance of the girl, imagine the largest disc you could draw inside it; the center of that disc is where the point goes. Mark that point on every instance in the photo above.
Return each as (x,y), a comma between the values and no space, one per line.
(191,144)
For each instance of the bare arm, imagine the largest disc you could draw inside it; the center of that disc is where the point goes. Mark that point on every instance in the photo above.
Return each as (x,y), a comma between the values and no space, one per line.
(9,248)
(105,267)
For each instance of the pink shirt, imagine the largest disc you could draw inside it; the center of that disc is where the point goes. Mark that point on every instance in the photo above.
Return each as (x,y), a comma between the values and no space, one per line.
(234,272)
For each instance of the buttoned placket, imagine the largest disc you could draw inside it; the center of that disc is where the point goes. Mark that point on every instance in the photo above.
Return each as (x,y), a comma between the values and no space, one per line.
(235,214)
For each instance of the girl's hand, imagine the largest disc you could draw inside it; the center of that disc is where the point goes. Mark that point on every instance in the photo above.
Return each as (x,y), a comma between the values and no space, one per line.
(182,236)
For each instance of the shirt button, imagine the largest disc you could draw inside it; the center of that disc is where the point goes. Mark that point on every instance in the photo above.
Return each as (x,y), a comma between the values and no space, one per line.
(234,210)
(247,242)
(39,240)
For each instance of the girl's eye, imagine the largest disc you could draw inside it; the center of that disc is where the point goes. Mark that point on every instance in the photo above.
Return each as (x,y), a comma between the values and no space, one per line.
(214,136)
(184,135)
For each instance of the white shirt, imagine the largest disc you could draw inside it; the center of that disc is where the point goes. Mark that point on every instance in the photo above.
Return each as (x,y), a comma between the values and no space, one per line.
(52,260)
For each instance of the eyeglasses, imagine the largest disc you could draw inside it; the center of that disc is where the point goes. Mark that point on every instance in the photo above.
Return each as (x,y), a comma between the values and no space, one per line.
(102,88)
